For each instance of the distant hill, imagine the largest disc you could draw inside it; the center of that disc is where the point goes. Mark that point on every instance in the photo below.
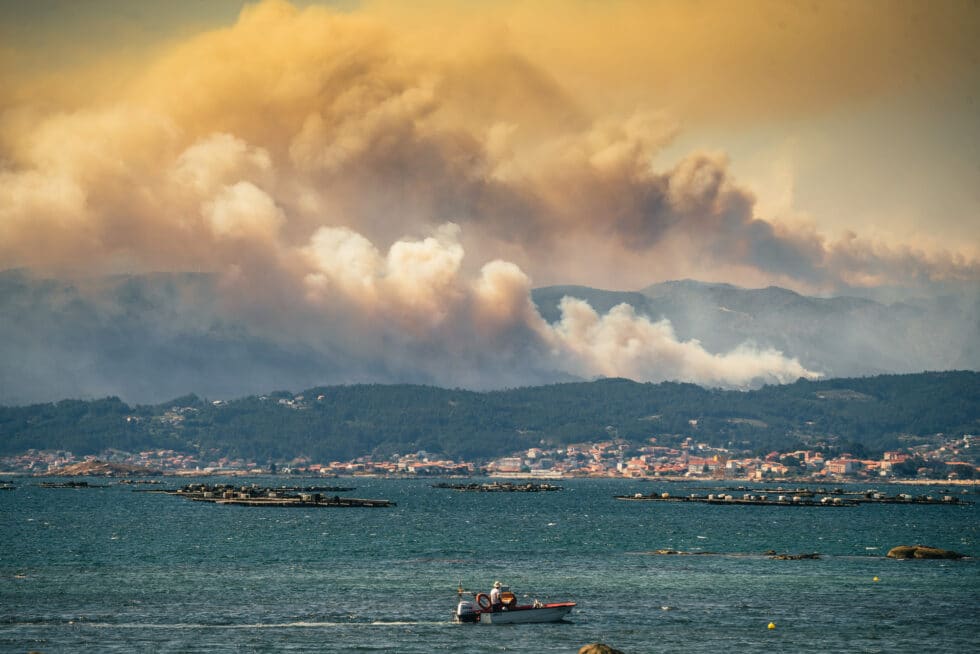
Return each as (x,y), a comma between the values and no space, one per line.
(148,337)
(838,336)
(142,337)
(859,415)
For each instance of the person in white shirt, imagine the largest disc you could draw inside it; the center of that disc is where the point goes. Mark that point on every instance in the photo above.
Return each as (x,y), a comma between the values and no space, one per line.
(495,604)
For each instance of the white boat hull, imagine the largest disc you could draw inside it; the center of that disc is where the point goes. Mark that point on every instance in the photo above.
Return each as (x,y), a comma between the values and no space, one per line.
(529,615)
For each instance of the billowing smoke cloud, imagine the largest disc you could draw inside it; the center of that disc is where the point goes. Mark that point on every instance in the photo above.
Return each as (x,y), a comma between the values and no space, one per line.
(624,344)
(317,118)
(416,307)
(333,171)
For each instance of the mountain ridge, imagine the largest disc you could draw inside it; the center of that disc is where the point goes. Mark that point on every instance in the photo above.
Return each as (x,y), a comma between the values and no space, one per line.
(839,336)
(148,337)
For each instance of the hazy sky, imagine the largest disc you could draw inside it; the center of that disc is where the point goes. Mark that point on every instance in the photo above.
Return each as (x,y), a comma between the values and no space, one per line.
(845,126)
(424,164)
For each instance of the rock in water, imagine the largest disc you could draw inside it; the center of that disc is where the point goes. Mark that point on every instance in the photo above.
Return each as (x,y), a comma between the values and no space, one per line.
(598,648)
(921,552)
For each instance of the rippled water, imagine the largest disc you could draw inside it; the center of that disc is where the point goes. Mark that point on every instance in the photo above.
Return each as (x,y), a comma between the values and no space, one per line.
(112,570)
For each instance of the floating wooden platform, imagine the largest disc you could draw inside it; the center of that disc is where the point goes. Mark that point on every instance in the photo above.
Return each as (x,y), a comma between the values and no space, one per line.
(69,484)
(253,495)
(755,500)
(795,499)
(296,502)
(500,487)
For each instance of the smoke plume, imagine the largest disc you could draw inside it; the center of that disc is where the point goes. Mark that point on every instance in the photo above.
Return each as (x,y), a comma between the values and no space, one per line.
(331,170)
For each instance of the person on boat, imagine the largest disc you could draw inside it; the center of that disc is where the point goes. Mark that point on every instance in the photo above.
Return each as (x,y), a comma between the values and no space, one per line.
(495,603)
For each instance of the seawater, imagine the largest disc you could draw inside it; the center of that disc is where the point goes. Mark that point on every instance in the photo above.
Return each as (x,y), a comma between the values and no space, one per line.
(113,570)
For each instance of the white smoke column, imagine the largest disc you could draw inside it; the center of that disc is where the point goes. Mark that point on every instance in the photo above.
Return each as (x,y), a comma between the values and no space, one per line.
(624,344)
(416,285)
(418,296)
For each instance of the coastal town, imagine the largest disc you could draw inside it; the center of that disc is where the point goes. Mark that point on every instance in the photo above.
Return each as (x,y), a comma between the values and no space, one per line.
(947,459)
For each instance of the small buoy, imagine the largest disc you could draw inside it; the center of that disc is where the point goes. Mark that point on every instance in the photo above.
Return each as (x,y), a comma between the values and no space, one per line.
(772,625)
(875,579)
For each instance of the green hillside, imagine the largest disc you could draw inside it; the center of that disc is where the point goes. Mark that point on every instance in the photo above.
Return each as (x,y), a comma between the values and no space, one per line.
(859,415)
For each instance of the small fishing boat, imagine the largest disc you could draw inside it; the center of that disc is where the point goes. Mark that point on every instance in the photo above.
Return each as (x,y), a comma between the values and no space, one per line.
(479,610)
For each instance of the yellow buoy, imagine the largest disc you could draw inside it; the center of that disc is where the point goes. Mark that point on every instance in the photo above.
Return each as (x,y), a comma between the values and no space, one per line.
(772,625)
(875,579)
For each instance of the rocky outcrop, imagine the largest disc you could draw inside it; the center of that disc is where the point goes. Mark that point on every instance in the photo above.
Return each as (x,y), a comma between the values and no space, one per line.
(921,552)
(598,648)
(792,557)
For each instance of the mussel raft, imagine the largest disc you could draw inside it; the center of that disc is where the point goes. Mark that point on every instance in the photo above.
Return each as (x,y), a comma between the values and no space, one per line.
(500,487)
(278,497)
(801,499)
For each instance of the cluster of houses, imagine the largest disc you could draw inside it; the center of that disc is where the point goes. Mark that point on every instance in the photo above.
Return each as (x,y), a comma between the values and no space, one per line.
(609,458)
(690,459)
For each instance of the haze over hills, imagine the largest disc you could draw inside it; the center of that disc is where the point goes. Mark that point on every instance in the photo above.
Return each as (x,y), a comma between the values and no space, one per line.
(345,193)
(144,338)
(837,336)
(148,338)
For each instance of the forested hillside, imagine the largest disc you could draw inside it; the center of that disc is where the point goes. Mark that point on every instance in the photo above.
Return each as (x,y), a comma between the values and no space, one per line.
(859,415)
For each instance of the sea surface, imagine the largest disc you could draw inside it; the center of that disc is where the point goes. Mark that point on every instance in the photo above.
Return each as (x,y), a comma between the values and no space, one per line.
(113,570)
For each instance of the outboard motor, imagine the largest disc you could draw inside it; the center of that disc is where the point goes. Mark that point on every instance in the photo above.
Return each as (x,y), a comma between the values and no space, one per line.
(467,612)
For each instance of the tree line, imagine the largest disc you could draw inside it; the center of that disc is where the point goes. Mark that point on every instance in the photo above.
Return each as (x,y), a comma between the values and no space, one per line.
(864,416)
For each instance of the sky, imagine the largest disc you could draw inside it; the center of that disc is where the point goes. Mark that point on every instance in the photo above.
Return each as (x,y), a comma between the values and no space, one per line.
(402,174)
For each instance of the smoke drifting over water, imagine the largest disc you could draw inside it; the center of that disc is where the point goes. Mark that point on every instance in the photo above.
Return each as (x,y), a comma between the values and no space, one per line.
(384,201)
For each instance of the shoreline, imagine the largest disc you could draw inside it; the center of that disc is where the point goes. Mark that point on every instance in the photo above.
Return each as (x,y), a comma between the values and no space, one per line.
(964,483)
